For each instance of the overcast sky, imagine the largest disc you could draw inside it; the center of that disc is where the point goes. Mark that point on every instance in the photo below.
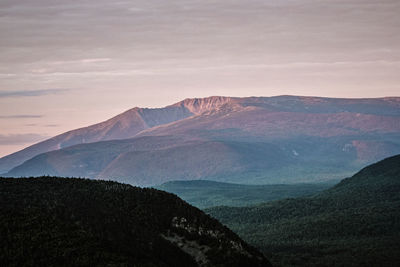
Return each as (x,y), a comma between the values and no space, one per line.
(68,64)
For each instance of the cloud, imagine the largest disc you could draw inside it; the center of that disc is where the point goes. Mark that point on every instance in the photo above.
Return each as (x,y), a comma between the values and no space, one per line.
(7,75)
(121,72)
(177,70)
(81,61)
(20,139)
(23,116)
(41,125)
(95,60)
(28,93)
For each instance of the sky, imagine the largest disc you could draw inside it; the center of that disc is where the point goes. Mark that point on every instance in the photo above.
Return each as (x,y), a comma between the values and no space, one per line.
(69,64)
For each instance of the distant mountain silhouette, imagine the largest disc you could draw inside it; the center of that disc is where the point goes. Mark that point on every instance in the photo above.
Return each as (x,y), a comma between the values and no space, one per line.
(246,140)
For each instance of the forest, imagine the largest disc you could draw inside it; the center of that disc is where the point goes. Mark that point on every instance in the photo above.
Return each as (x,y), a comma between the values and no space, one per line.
(355,223)
(51,221)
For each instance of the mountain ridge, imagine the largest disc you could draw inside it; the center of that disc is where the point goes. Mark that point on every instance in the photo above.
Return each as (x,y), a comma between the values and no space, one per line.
(122,126)
(358,130)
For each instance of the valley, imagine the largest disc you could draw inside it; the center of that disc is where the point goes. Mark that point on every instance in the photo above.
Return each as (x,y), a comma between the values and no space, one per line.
(205,194)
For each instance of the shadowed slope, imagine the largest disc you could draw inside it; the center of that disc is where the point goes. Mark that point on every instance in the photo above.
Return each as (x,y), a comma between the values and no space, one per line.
(155,159)
(76,222)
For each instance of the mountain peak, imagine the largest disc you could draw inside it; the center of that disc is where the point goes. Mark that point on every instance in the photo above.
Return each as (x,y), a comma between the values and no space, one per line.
(200,105)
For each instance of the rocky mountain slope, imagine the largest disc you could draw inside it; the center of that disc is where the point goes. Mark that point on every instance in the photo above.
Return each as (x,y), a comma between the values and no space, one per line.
(355,223)
(246,140)
(76,222)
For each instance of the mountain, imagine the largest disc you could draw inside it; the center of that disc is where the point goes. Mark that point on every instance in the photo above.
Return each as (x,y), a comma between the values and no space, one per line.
(258,140)
(205,194)
(277,117)
(75,222)
(355,223)
(122,126)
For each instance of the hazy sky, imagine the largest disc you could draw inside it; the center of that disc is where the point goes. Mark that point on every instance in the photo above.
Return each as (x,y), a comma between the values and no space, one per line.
(68,64)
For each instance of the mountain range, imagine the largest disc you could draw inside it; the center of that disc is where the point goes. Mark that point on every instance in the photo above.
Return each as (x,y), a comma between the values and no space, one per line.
(252,140)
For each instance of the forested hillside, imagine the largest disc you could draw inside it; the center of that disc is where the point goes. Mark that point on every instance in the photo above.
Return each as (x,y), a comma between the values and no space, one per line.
(355,223)
(77,222)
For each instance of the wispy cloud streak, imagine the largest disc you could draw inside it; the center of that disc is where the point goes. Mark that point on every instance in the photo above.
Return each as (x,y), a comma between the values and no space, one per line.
(30,93)
(22,116)
(41,125)
(81,61)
